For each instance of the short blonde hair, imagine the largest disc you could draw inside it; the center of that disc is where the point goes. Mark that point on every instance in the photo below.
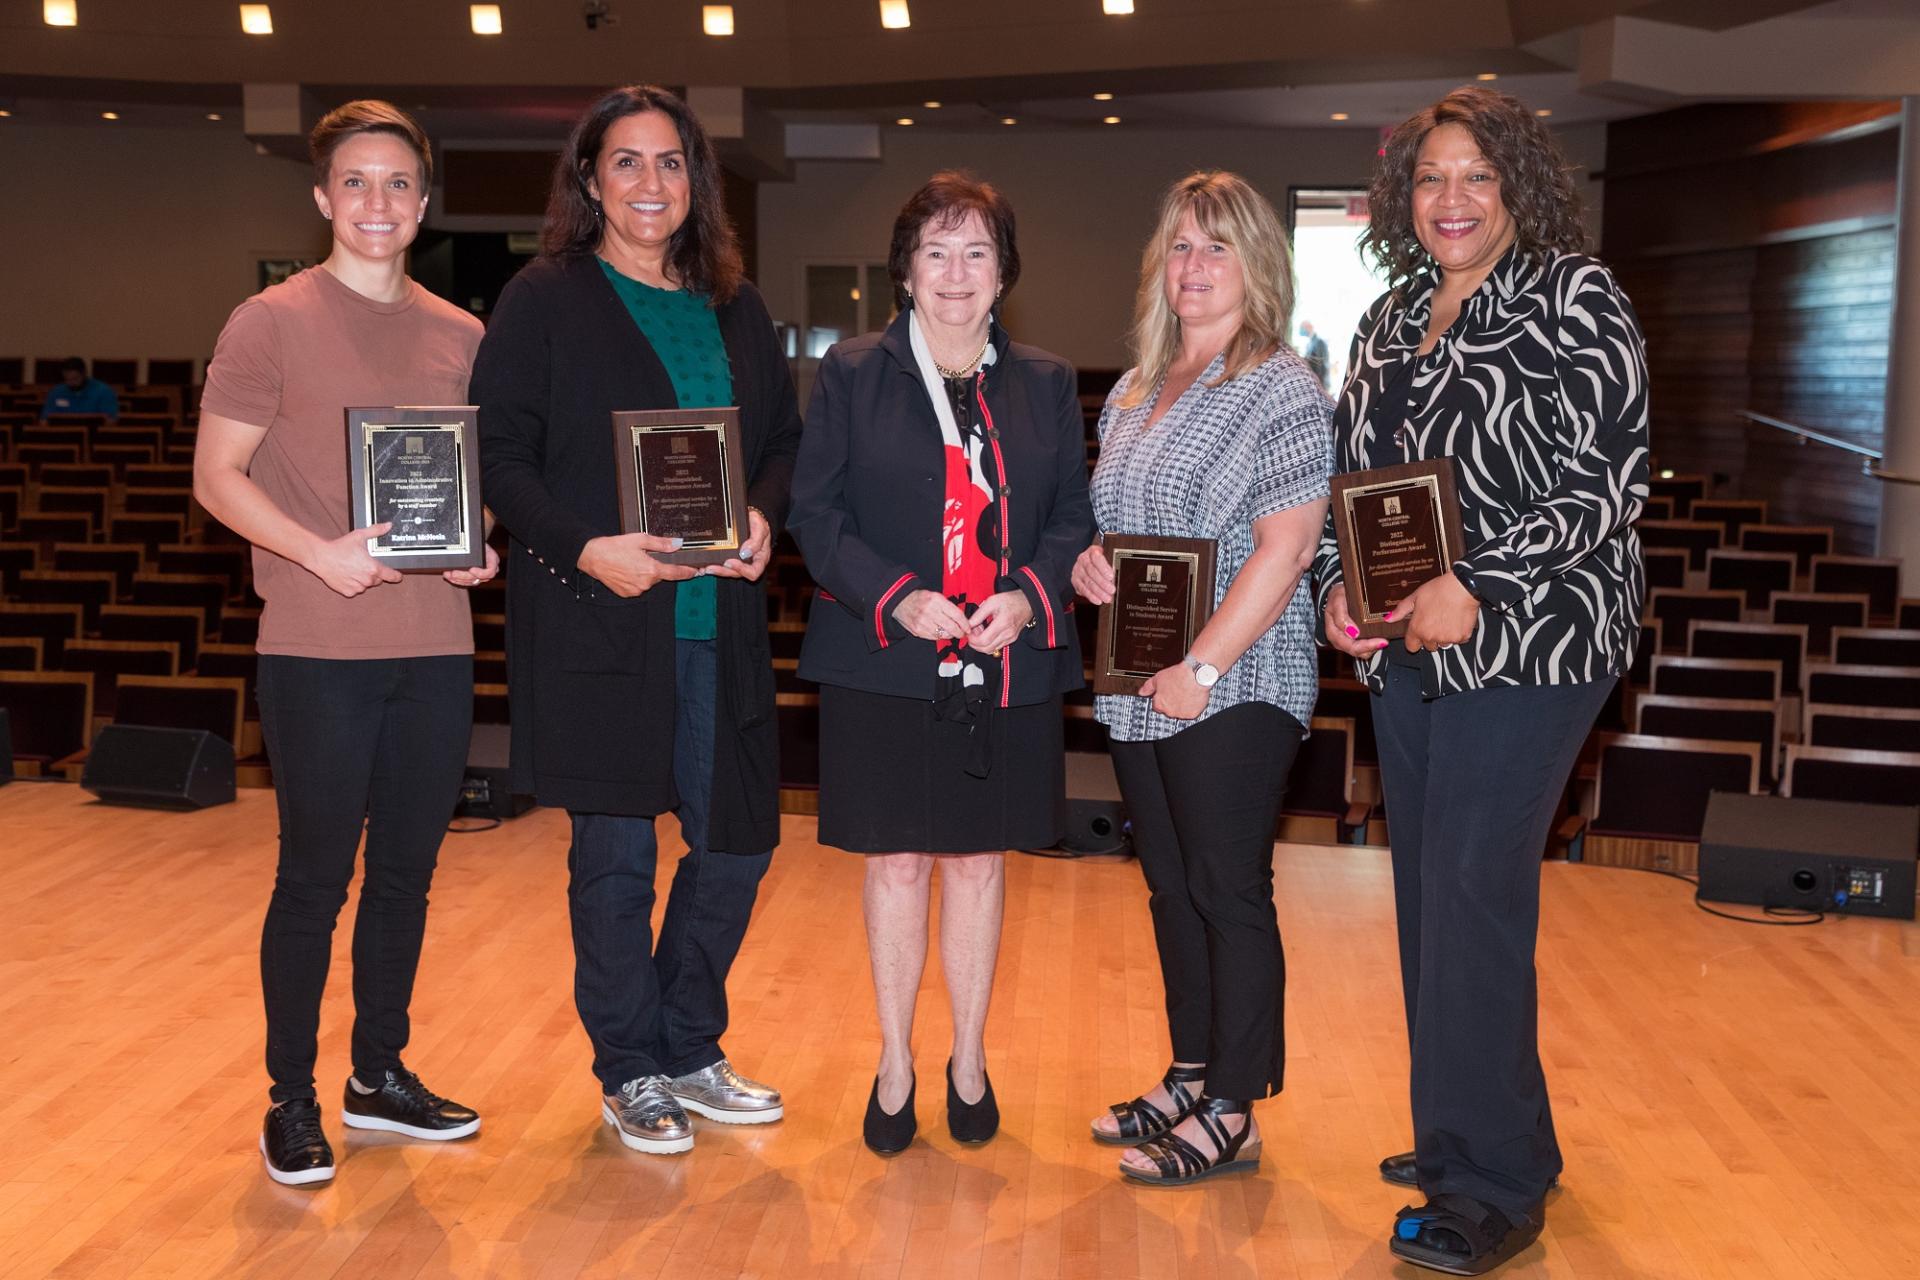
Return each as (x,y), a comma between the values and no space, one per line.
(1229,210)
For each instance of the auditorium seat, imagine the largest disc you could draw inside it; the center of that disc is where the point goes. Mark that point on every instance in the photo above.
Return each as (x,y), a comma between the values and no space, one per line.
(207,594)
(13,500)
(1658,507)
(1876,647)
(144,501)
(1321,783)
(784,638)
(1859,686)
(1786,645)
(150,531)
(490,705)
(121,559)
(1718,720)
(798,719)
(160,477)
(54,586)
(1650,797)
(17,558)
(118,457)
(213,703)
(86,475)
(124,434)
(47,527)
(1803,542)
(1740,678)
(236,662)
(1347,698)
(54,624)
(1678,610)
(1681,490)
(1861,728)
(1758,573)
(490,632)
(240,625)
(1820,615)
(1878,580)
(1640,674)
(21,653)
(107,660)
(182,627)
(50,714)
(1907,616)
(37,453)
(489,667)
(1666,567)
(1696,539)
(1731,514)
(117,371)
(230,563)
(1861,777)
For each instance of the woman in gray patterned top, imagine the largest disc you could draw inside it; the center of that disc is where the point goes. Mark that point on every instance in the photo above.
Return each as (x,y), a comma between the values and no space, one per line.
(1219,432)
(1502,347)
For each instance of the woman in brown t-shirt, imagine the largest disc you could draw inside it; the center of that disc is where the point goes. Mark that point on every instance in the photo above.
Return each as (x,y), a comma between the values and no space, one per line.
(366,674)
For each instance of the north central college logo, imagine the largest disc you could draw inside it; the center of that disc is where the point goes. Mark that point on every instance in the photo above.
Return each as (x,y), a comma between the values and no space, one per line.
(1393,505)
(678,444)
(416,445)
(1153,573)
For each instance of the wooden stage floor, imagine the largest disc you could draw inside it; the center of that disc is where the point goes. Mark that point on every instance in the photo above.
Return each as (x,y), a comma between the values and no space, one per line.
(1734,1101)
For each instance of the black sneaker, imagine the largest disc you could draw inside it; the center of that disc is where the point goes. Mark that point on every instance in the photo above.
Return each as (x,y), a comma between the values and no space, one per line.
(295,1149)
(401,1104)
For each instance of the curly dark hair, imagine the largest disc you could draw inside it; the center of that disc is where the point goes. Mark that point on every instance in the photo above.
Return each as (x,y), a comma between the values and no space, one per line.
(704,252)
(945,201)
(1536,182)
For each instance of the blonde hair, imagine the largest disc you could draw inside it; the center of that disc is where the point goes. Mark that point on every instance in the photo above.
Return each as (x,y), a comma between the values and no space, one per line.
(1229,210)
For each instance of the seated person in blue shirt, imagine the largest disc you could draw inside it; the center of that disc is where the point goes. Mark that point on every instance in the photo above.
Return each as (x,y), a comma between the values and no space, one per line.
(76,393)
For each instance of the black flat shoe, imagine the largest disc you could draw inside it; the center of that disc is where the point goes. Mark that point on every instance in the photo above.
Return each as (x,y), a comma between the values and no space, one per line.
(1400,1171)
(888,1135)
(971,1121)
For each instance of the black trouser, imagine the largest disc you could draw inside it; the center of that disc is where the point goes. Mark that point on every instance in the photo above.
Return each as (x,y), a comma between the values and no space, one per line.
(1473,783)
(660,1010)
(1203,804)
(373,743)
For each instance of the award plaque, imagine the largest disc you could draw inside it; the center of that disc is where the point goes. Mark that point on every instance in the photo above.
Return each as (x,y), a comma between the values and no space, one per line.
(1162,596)
(681,476)
(419,467)
(1398,527)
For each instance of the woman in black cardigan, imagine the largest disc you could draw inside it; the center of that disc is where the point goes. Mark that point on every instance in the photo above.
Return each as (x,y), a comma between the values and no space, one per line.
(639,686)
(940,500)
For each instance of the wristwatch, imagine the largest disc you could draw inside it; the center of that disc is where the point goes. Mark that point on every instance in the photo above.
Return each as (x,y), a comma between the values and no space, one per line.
(1205,674)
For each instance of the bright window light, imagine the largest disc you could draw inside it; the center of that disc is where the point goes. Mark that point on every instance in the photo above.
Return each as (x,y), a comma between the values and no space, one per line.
(256,19)
(894,15)
(61,13)
(717,19)
(1116,8)
(486,19)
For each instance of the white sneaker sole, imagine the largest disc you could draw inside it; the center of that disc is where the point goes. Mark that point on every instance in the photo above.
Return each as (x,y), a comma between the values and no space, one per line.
(652,1146)
(412,1131)
(300,1178)
(766,1116)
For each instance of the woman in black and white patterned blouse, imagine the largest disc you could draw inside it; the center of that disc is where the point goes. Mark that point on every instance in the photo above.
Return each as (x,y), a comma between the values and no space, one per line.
(1219,432)
(1501,346)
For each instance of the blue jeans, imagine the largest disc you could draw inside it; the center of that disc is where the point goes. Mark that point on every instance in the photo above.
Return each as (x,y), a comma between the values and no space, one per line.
(660,1009)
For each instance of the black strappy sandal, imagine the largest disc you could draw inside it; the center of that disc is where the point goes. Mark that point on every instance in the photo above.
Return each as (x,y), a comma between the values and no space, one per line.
(1460,1235)
(1180,1162)
(1140,1120)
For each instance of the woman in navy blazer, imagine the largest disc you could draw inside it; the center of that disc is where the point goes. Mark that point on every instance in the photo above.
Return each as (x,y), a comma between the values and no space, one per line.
(940,498)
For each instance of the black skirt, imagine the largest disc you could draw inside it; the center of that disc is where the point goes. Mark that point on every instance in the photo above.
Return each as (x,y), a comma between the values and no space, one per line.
(893,777)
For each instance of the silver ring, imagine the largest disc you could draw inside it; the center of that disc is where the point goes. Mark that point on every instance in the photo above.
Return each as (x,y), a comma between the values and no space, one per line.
(941,632)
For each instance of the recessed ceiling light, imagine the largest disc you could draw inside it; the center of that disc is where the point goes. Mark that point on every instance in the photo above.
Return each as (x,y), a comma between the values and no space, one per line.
(1544,112)
(1110,120)
(214,116)
(109,115)
(61,13)
(931,105)
(716,19)
(904,120)
(1338,115)
(1103,97)
(894,15)
(1116,8)
(1009,120)
(256,19)
(1488,75)
(485,19)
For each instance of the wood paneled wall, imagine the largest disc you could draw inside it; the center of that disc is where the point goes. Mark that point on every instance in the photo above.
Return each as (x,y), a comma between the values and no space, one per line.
(1757,246)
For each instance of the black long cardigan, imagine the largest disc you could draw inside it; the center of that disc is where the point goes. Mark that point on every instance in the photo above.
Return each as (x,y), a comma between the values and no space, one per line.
(591,675)
(867,498)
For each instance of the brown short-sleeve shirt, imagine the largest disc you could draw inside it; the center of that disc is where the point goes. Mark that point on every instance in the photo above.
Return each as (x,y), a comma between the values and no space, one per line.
(291,359)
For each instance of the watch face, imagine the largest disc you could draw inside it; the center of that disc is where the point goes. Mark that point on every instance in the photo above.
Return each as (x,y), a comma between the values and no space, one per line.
(1206,675)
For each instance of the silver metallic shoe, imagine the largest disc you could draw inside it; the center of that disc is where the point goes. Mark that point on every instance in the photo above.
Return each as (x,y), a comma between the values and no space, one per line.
(720,1093)
(647,1118)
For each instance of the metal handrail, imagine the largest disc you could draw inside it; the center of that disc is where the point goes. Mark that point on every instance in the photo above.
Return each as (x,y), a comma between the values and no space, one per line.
(1808,433)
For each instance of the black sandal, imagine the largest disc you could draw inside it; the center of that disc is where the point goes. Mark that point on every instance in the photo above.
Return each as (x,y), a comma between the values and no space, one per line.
(1140,1120)
(1180,1162)
(1460,1235)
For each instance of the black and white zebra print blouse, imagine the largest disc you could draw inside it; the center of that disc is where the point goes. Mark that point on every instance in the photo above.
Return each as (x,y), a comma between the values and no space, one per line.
(1538,392)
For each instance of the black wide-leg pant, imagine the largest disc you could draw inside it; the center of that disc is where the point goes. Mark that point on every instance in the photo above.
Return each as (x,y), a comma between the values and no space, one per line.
(1473,783)
(1203,804)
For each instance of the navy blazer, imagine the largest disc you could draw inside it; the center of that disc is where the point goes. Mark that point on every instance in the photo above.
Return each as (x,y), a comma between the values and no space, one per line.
(590,674)
(868,495)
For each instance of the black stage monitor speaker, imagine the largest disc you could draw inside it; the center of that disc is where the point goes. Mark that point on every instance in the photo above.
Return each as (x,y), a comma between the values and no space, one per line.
(6,748)
(484,792)
(1820,855)
(159,768)
(1096,820)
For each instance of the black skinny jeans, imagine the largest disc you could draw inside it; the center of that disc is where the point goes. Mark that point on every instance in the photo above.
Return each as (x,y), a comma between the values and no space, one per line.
(373,743)
(1203,805)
